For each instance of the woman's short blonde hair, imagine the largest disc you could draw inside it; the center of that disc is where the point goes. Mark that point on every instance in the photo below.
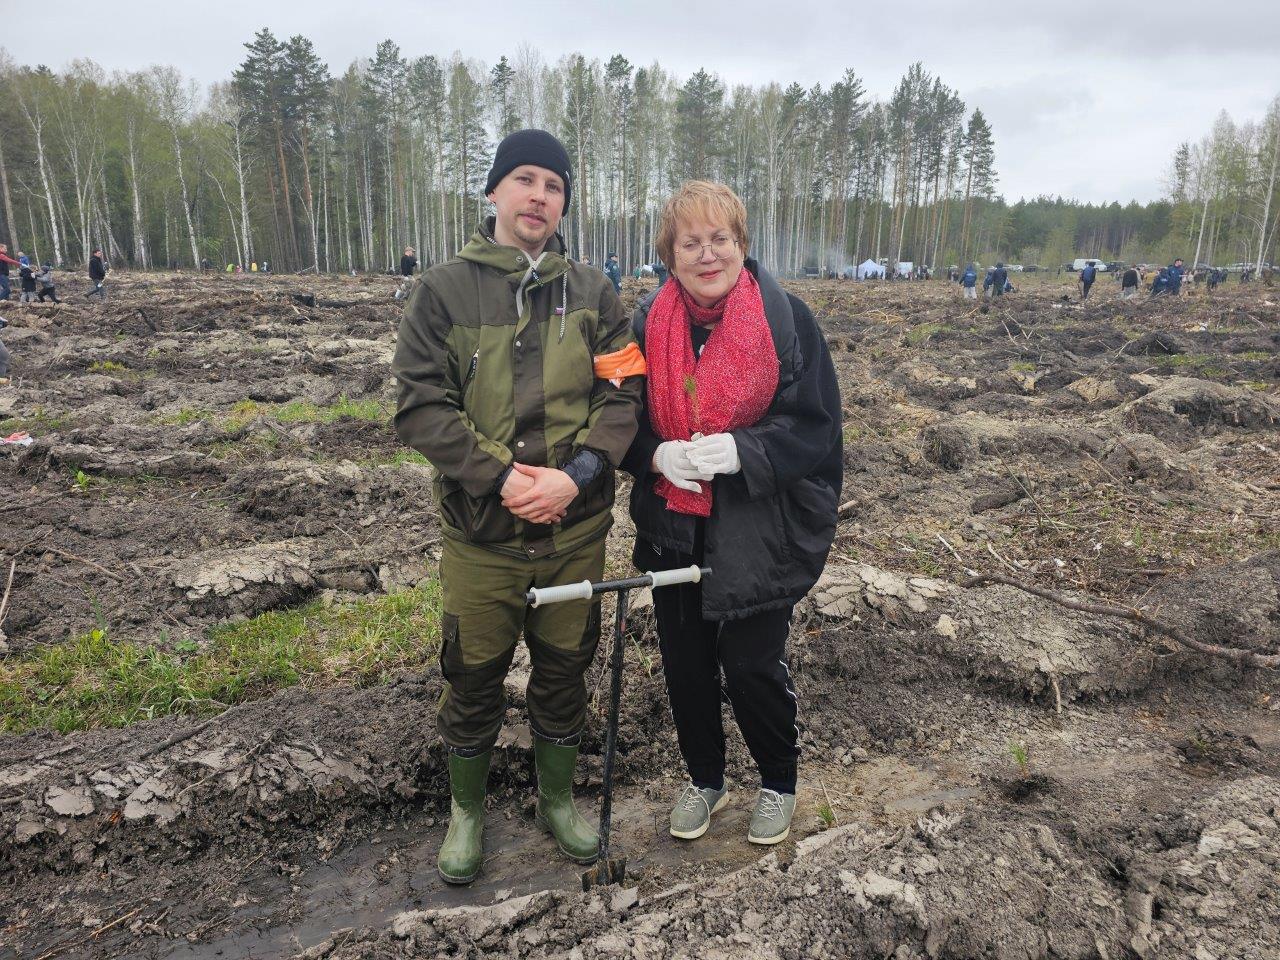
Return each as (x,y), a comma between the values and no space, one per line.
(701,200)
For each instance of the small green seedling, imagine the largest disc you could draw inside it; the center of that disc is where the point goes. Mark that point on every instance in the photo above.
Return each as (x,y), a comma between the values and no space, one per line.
(1018,750)
(82,481)
(827,815)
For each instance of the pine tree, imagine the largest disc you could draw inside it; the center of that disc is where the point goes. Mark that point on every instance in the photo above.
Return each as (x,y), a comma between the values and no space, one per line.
(262,83)
(979,173)
(577,131)
(699,129)
(502,97)
(306,101)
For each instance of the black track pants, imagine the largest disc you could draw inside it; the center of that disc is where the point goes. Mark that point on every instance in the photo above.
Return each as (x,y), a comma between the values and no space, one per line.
(743,661)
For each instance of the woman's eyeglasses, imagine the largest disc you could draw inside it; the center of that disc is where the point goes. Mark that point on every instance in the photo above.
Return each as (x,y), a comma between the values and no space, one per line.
(690,252)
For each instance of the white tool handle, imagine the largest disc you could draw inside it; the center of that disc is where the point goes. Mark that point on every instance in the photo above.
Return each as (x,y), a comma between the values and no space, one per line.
(567,591)
(666,578)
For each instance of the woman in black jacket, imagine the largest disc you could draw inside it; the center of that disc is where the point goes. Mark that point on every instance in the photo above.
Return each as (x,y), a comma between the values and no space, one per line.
(737,465)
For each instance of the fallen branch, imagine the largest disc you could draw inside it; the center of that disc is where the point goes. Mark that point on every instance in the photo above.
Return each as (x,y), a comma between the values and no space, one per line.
(1236,655)
(190,732)
(4,604)
(88,563)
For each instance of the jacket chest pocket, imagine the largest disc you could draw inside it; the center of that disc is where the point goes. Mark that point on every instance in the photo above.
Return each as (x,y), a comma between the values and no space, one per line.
(568,374)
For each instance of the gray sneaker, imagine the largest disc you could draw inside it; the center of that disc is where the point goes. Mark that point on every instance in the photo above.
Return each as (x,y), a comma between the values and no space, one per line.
(771,820)
(691,815)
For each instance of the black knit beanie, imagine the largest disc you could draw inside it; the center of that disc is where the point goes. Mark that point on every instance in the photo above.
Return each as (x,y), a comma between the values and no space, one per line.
(536,147)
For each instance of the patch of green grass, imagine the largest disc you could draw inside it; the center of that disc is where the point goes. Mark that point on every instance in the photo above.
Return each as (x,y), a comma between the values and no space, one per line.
(257,444)
(107,366)
(1252,355)
(400,458)
(302,411)
(918,335)
(298,411)
(241,414)
(183,417)
(1023,366)
(1179,360)
(97,681)
(37,422)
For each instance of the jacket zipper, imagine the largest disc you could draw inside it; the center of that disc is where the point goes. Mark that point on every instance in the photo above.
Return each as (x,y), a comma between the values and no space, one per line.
(471,370)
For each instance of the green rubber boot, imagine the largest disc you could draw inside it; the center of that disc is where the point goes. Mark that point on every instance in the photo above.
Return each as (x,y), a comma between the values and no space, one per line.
(463,849)
(556,812)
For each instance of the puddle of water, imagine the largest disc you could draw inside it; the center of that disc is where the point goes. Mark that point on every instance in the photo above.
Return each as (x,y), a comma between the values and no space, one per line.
(362,887)
(367,884)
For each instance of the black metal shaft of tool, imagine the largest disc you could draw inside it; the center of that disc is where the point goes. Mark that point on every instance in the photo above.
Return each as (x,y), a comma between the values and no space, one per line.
(611,734)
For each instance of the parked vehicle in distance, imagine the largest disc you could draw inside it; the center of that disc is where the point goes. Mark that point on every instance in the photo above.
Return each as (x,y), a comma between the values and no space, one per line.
(1080,263)
(1032,268)
(1013,267)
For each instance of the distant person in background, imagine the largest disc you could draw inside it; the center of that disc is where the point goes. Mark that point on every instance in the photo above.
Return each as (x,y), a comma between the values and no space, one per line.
(27,279)
(408,262)
(660,271)
(45,279)
(1087,276)
(6,262)
(969,282)
(253,266)
(98,274)
(1129,283)
(1160,285)
(999,280)
(614,272)
(1175,276)
(585,261)
(266,268)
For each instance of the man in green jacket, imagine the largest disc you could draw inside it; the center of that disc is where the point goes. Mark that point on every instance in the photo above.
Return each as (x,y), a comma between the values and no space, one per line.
(497,363)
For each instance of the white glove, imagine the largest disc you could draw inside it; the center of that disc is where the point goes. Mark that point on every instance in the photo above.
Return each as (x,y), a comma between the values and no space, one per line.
(671,459)
(716,453)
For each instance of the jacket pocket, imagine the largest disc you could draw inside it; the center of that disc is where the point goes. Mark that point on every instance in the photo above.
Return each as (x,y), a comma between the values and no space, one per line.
(808,511)
(483,520)
(449,652)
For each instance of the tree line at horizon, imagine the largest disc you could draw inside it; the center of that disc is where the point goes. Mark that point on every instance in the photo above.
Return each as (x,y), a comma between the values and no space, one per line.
(286,161)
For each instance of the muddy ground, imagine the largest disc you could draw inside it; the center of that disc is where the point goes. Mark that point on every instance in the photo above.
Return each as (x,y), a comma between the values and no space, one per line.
(207,449)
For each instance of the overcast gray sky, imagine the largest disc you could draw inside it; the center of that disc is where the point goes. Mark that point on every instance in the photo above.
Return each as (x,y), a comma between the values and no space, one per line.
(1086,100)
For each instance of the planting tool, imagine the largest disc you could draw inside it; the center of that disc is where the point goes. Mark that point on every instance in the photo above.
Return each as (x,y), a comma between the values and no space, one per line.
(610,869)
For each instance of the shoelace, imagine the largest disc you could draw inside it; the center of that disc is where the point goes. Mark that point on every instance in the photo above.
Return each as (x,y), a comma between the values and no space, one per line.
(692,798)
(770,805)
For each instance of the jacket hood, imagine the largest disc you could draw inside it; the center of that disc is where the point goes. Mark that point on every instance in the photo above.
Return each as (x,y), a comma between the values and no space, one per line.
(524,274)
(483,249)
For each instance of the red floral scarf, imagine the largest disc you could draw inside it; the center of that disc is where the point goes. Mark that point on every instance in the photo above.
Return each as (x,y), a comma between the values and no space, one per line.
(729,386)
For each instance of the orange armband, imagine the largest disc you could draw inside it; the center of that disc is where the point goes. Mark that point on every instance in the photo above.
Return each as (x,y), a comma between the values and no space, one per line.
(617,366)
